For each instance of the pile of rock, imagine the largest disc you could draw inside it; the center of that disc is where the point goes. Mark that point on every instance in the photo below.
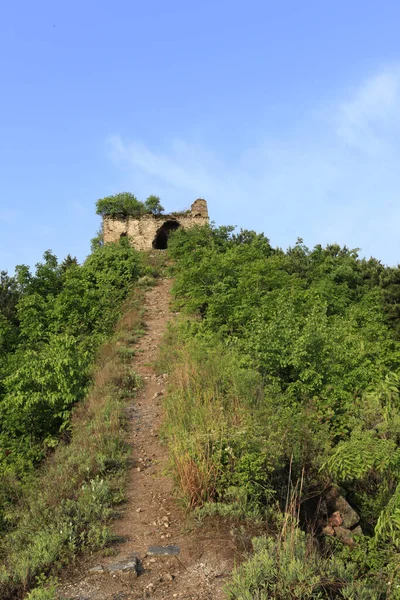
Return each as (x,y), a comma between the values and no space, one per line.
(342,521)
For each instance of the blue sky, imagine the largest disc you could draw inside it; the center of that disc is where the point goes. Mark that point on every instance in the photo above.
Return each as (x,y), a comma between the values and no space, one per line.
(284,115)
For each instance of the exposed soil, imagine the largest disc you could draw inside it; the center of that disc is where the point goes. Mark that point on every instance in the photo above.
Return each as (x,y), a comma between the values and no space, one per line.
(151,516)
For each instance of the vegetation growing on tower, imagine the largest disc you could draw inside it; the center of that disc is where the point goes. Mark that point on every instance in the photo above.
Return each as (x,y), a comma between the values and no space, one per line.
(126,204)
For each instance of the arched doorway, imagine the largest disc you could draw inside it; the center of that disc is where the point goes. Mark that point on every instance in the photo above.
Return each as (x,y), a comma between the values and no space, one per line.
(160,242)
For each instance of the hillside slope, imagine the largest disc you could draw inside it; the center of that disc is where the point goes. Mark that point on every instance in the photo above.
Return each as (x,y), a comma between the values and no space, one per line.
(276,393)
(151,516)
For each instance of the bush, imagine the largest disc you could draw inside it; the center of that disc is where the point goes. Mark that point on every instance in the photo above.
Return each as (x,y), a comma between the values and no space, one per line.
(120,205)
(291,567)
(126,204)
(314,334)
(66,506)
(48,592)
(153,205)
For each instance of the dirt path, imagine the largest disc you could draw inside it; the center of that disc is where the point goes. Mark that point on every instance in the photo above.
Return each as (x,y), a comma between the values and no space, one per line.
(202,556)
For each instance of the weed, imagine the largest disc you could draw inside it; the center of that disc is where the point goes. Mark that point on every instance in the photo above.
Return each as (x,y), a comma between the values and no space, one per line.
(126,353)
(46,592)
(146,281)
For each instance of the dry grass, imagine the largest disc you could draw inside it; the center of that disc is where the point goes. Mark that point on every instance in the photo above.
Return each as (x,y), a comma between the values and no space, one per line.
(197,482)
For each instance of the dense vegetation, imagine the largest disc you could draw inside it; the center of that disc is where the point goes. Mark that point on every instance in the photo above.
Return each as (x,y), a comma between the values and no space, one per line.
(126,204)
(284,381)
(52,324)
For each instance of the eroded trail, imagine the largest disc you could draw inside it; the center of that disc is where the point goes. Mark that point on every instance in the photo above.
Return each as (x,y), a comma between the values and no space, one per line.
(200,558)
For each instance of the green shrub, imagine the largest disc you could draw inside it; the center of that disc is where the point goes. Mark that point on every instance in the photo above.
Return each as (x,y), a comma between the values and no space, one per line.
(313,337)
(62,314)
(153,205)
(120,205)
(48,592)
(290,566)
(125,204)
(65,507)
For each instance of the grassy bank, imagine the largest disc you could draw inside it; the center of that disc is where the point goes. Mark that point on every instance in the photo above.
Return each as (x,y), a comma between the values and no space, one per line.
(284,384)
(66,507)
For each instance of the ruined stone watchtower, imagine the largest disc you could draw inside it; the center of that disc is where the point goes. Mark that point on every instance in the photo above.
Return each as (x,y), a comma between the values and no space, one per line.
(152,231)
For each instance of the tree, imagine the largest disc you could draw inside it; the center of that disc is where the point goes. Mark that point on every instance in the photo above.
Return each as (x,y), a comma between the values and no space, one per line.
(124,204)
(97,241)
(68,262)
(9,295)
(153,205)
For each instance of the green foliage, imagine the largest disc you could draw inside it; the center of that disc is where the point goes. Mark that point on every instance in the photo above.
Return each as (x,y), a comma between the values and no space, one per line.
(125,205)
(120,205)
(318,331)
(64,508)
(8,335)
(48,592)
(51,325)
(390,283)
(43,387)
(362,454)
(388,525)
(97,241)
(153,205)
(291,567)
(9,296)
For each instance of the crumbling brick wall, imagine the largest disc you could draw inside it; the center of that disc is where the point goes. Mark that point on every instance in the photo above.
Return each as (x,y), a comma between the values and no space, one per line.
(142,231)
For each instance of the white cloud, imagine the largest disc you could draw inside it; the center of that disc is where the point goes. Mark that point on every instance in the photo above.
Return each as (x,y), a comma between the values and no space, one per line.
(374,107)
(332,180)
(183,166)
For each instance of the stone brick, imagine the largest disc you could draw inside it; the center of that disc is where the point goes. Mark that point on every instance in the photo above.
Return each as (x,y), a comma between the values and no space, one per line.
(144,230)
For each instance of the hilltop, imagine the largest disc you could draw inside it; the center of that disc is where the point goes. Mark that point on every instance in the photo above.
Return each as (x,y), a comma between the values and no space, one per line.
(235,401)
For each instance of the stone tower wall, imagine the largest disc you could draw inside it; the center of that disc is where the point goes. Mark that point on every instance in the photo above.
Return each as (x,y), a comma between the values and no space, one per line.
(143,230)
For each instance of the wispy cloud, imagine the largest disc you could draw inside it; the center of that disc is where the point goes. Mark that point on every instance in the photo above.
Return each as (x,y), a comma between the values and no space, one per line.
(334,179)
(366,119)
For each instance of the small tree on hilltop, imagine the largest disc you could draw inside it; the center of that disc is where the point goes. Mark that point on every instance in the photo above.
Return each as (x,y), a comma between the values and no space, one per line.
(153,205)
(124,204)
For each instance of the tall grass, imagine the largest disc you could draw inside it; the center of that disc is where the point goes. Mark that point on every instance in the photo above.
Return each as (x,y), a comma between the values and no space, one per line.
(233,451)
(66,508)
(210,423)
